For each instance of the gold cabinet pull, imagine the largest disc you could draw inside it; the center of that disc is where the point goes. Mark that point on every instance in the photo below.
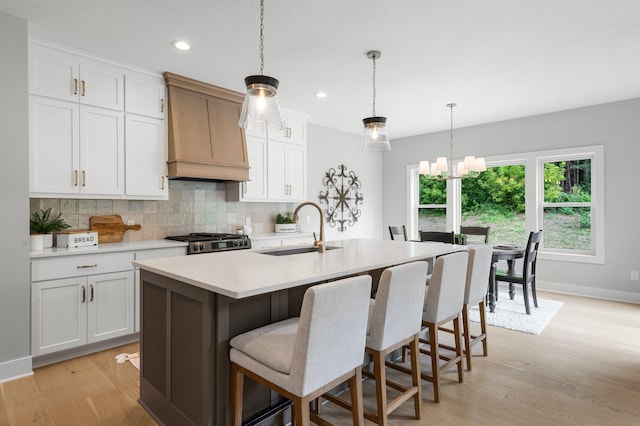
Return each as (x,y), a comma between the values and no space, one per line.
(84,178)
(75,178)
(84,87)
(91,293)
(75,86)
(162,184)
(93,265)
(161,105)
(84,294)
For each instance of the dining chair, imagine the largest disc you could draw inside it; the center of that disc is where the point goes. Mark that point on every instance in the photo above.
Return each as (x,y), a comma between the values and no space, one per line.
(527,276)
(482,231)
(302,358)
(443,237)
(398,232)
(394,321)
(443,303)
(475,292)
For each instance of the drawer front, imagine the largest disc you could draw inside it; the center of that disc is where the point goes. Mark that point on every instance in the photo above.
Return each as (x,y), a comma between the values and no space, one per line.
(74,266)
(161,252)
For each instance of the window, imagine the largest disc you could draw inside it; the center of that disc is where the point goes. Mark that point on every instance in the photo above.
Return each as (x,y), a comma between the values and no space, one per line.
(559,191)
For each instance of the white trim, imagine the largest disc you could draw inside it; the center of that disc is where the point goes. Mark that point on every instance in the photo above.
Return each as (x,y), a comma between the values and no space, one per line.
(15,369)
(593,292)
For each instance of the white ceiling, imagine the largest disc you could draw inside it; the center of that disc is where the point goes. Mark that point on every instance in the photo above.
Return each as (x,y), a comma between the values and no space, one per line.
(498,59)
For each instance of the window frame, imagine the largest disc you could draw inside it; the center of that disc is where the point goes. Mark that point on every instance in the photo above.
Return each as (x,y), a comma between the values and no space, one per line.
(534,197)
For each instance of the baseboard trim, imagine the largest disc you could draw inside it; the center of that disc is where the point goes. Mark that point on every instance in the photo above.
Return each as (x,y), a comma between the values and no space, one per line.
(15,369)
(597,293)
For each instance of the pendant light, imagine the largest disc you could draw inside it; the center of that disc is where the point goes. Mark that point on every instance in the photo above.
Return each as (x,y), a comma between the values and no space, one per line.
(375,131)
(260,110)
(442,169)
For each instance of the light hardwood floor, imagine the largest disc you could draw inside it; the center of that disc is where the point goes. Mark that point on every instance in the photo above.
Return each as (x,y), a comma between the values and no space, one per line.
(583,369)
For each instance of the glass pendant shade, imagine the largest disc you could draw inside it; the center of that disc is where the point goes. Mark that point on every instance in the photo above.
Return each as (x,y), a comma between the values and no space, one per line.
(260,110)
(375,135)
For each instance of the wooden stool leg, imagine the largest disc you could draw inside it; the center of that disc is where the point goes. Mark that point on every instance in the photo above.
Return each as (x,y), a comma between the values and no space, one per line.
(483,327)
(467,335)
(435,360)
(357,407)
(415,376)
(237,384)
(458,340)
(381,386)
(301,412)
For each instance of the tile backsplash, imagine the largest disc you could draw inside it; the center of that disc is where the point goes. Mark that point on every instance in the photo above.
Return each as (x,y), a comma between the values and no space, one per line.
(192,207)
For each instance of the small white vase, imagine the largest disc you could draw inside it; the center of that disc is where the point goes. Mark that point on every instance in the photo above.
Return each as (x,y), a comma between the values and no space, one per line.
(246,230)
(47,241)
(36,242)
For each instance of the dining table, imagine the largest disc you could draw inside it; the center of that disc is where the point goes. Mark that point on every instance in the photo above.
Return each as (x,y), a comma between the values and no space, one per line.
(501,252)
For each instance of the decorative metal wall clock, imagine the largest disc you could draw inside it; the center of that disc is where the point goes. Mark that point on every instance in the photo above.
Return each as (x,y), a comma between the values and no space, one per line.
(342,198)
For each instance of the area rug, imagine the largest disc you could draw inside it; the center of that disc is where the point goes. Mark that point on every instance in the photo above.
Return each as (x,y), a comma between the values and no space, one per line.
(510,314)
(134,359)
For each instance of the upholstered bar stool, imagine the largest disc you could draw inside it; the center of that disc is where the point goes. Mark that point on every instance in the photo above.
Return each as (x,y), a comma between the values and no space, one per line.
(302,358)
(443,303)
(394,321)
(478,271)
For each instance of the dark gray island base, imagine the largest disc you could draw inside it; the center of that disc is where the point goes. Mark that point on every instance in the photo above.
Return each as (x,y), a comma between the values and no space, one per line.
(187,320)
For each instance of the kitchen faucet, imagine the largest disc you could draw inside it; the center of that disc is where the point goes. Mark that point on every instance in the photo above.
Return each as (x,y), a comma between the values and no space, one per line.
(316,243)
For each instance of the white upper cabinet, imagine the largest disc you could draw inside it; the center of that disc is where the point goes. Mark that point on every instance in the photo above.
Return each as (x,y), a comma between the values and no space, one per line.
(82,132)
(72,78)
(75,150)
(145,96)
(146,157)
(277,162)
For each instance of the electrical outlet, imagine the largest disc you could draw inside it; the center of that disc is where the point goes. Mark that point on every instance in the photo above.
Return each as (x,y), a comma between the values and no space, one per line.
(634,275)
(133,222)
(308,219)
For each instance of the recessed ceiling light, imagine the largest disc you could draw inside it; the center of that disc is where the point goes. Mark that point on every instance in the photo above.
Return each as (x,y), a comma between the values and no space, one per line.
(321,95)
(181,45)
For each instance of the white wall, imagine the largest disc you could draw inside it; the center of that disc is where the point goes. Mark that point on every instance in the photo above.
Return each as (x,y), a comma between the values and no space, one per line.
(328,148)
(614,125)
(14,187)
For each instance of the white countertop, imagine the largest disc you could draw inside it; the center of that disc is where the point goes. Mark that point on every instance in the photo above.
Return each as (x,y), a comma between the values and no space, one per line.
(244,273)
(106,247)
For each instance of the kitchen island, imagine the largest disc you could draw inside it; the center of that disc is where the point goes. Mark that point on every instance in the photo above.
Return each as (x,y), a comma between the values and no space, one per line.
(192,306)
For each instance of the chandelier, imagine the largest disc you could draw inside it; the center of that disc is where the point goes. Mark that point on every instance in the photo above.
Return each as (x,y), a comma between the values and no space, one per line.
(442,168)
(375,132)
(260,109)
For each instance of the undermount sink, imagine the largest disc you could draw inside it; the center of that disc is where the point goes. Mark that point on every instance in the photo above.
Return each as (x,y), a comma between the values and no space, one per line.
(296,250)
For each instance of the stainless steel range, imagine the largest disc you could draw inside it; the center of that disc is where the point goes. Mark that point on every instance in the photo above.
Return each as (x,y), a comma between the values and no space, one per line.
(203,242)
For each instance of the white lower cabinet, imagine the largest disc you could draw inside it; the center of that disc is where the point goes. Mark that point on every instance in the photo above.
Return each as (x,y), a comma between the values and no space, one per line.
(76,311)
(80,299)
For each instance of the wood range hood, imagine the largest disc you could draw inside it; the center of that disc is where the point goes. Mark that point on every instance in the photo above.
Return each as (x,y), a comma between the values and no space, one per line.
(205,142)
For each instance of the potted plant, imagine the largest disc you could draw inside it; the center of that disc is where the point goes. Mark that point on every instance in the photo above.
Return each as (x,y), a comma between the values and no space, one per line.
(43,223)
(284,223)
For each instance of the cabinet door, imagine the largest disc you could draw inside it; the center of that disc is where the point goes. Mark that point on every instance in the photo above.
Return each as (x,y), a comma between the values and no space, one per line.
(146,159)
(277,166)
(58,315)
(54,144)
(101,86)
(296,173)
(54,75)
(295,129)
(101,151)
(145,96)
(110,305)
(256,187)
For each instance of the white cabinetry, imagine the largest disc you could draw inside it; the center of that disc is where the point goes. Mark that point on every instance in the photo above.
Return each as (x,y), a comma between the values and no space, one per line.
(75,149)
(73,78)
(79,143)
(277,163)
(80,299)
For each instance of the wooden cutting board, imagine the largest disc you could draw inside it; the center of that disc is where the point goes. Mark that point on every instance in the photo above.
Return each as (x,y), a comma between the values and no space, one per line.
(110,228)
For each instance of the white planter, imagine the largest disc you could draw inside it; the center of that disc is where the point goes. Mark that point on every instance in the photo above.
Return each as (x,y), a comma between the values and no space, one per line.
(47,241)
(286,227)
(36,241)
